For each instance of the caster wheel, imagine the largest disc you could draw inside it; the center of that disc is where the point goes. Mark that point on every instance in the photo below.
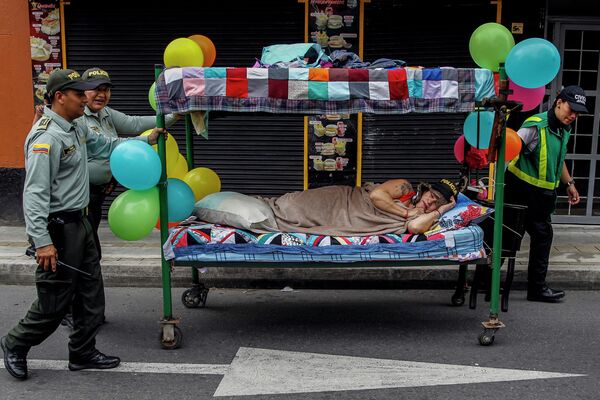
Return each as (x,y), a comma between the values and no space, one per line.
(486,339)
(458,300)
(176,343)
(192,298)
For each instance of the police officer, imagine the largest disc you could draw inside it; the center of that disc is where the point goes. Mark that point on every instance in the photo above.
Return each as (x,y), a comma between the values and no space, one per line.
(104,120)
(55,198)
(535,174)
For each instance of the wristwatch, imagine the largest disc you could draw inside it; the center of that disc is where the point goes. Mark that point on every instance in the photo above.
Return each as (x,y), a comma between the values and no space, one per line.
(571,182)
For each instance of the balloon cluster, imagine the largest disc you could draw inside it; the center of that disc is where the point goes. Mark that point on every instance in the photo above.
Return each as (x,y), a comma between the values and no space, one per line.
(193,51)
(530,66)
(135,164)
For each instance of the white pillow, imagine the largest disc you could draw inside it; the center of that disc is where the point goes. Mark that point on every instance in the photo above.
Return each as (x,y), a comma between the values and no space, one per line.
(238,210)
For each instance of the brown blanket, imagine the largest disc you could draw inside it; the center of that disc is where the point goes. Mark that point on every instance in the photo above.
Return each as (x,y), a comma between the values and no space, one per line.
(335,211)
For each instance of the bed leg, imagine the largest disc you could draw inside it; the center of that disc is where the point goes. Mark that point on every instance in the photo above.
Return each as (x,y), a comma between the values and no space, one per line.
(171,336)
(458,298)
(490,327)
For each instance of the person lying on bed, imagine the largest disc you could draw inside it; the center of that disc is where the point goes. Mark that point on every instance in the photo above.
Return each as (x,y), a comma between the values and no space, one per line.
(391,207)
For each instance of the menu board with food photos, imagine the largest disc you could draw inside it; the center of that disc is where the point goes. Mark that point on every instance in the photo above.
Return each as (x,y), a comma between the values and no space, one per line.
(334,24)
(45,43)
(331,150)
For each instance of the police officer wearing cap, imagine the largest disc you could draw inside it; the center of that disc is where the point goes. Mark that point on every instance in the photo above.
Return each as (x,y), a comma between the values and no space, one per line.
(55,199)
(104,120)
(534,176)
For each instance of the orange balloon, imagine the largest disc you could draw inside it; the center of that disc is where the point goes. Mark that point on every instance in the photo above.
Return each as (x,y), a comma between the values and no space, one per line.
(513,144)
(208,49)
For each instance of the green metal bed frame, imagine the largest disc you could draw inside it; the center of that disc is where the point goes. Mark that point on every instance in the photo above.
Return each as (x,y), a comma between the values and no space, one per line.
(170,334)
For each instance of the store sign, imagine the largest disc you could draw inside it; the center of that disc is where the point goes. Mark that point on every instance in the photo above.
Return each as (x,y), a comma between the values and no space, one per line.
(45,43)
(332,152)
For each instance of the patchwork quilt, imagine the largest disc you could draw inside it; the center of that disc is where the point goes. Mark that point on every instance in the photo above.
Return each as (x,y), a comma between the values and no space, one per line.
(322,90)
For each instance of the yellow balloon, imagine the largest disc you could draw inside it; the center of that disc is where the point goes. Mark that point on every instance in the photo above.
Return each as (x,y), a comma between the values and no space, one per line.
(183,52)
(177,169)
(172,147)
(203,182)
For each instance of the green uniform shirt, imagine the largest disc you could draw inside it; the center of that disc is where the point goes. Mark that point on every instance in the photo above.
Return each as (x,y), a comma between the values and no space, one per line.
(57,179)
(112,123)
(542,167)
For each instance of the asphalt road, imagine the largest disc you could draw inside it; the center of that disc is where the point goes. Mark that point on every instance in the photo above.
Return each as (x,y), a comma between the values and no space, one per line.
(307,344)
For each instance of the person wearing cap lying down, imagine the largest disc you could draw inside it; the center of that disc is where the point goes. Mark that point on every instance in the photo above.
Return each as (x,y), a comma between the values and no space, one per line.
(391,207)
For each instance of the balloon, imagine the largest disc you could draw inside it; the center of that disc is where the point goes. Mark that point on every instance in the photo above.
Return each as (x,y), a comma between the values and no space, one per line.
(459,149)
(177,169)
(135,165)
(169,224)
(490,44)
(513,144)
(133,214)
(531,98)
(486,123)
(208,49)
(203,182)
(183,52)
(172,151)
(533,63)
(151,98)
(181,200)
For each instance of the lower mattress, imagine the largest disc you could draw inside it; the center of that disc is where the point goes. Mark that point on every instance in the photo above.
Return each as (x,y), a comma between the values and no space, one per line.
(214,243)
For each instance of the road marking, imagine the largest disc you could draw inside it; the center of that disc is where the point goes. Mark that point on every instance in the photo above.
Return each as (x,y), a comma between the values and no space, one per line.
(138,367)
(263,371)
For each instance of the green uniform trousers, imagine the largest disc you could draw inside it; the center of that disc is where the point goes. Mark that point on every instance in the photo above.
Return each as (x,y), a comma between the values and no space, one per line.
(57,291)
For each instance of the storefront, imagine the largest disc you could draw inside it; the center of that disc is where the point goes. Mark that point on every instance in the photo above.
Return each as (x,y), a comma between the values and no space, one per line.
(264,154)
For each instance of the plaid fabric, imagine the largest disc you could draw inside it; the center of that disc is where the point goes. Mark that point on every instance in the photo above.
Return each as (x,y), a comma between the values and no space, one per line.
(321,90)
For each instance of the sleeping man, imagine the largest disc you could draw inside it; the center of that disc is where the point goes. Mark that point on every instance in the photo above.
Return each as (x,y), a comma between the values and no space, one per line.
(391,207)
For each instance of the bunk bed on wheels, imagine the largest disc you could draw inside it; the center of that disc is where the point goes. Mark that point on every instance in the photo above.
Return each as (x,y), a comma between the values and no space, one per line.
(305,91)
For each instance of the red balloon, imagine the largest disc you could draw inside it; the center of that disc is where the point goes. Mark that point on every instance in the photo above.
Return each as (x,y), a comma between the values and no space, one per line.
(169,225)
(513,144)
(459,149)
(208,49)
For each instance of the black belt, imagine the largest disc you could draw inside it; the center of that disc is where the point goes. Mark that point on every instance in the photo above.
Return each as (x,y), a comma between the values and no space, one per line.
(69,216)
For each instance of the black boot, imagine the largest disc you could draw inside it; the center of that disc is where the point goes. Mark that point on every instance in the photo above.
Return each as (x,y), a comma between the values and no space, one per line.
(96,361)
(545,294)
(15,362)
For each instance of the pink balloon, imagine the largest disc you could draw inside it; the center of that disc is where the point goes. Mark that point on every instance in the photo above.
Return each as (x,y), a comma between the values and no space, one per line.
(531,98)
(459,149)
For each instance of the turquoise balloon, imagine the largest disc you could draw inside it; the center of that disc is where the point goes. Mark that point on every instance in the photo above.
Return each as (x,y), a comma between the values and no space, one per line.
(180,198)
(490,44)
(133,214)
(135,165)
(533,63)
(151,98)
(486,124)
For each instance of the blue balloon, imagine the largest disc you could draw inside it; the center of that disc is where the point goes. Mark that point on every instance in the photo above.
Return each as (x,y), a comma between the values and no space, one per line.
(533,63)
(486,124)
(180,198)
(135,165)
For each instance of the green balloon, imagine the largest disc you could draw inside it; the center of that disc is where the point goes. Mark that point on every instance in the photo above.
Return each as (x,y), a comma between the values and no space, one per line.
(490,44)
(151,98)
(134,213)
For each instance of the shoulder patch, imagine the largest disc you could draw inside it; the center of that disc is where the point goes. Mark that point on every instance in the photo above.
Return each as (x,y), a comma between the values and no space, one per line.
(43,148)
(44,122)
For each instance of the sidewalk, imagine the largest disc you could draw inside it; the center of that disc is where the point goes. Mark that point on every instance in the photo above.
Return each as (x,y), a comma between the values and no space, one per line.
(574,264)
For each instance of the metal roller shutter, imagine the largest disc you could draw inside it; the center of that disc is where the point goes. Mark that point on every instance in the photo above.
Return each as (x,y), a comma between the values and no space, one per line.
(252,153)
(418,147)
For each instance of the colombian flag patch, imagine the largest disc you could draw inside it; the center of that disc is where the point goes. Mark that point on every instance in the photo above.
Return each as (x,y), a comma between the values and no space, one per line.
(41,148)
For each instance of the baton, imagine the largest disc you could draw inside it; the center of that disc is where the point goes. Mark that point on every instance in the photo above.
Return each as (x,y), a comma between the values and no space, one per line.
(31,253)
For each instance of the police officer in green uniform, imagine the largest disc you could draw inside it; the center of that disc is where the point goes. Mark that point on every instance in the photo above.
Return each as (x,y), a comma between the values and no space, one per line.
(104,120)
(55,199)
(535,174)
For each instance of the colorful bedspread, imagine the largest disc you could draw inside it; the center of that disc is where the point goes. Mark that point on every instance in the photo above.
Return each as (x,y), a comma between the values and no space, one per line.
(322,90)
(211,242)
